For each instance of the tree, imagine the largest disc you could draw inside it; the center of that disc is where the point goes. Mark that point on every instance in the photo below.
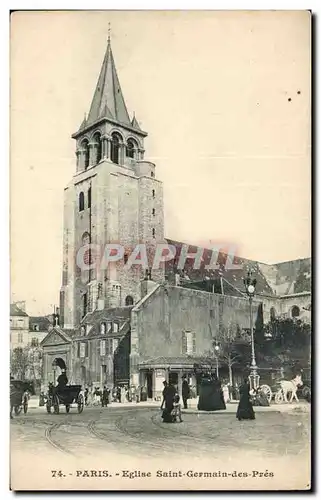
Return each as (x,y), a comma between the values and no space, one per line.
(26,363)
(233,347)
(287,342)
(19,362)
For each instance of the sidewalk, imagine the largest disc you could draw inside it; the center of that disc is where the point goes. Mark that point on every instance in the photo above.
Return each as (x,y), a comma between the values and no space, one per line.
(301,407)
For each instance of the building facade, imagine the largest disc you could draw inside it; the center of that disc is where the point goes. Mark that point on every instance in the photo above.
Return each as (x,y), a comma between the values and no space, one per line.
(19,326)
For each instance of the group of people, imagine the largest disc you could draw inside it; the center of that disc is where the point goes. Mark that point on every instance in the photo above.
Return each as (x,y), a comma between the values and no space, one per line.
(212,397)
(118,394)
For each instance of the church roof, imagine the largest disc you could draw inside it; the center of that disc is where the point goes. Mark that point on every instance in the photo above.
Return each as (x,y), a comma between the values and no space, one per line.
(108,100)
(233,278)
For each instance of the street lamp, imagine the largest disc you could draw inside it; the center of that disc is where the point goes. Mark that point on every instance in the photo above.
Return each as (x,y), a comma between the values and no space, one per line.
(54,367)
(250,284)
(216,350)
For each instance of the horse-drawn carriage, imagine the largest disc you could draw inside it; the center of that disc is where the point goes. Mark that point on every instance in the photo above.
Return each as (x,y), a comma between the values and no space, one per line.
(19,396)
(281,388)
(67,396)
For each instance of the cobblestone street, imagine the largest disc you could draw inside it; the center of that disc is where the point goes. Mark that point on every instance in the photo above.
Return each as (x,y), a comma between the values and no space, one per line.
(134,437)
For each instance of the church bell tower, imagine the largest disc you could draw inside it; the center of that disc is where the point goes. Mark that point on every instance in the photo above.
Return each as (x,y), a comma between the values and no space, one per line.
(114,197)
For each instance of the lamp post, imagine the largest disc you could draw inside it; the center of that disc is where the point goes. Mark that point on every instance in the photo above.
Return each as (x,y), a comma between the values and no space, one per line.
(250,284)
(54,367)
(216,350)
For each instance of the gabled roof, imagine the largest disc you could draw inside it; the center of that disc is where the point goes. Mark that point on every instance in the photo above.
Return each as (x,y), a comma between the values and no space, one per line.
(56,336)
(16,311)
(108,100)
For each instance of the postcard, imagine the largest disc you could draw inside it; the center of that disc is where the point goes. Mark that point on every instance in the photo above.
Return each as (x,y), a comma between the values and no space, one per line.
(160,318)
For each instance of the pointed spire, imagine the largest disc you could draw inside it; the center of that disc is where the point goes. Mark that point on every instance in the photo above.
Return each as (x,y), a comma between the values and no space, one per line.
(108,94)
(135,123)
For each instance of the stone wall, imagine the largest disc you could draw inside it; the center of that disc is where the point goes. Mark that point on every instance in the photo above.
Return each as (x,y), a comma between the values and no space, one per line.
(160,320)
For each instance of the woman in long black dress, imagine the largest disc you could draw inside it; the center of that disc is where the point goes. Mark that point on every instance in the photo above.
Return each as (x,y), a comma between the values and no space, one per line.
(211,395)
(168,398)
(245,409)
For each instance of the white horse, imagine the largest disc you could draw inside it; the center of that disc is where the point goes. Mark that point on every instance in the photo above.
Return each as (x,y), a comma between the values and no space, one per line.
(290,386)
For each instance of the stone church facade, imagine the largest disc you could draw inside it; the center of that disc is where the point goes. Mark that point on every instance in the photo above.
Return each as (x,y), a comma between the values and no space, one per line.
(120,325)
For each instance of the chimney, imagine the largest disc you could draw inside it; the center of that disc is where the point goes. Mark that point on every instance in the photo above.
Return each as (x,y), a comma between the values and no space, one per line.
(100,298)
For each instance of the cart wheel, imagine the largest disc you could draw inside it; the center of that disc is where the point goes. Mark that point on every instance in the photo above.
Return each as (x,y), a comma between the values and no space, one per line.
(279,397)
(266,389)
(17,409)
(306,392)
(67,408)
(25,408)
(80,403)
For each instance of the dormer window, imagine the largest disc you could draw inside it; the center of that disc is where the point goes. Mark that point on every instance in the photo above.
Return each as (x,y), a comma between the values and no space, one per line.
(36,328)
(115,327)
(103,329)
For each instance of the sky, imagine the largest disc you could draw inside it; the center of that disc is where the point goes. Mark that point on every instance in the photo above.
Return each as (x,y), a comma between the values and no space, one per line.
(225,99)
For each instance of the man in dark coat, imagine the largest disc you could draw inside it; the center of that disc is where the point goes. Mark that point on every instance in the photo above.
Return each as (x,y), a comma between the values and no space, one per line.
(62,380)
(185,392)
(104,397)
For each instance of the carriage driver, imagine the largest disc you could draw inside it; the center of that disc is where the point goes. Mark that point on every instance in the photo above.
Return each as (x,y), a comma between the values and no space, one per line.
(62,380)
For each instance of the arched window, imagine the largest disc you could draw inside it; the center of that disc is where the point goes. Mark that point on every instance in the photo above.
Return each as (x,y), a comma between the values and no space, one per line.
(153,212)
(130,148)
(98,145)
(153,232)
(152,174)
(153,193)
(81,201)
(129,301)
(85,148)
(89,197)
(115,147)
(295,312)
(272,314)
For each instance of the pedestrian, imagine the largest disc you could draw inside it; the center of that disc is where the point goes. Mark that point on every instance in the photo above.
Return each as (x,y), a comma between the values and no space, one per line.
(211,395)
(169,392)
(104,397)
(185,392)
(122,394)
(245,408)
(226,393)
(86,396)
(177,410)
